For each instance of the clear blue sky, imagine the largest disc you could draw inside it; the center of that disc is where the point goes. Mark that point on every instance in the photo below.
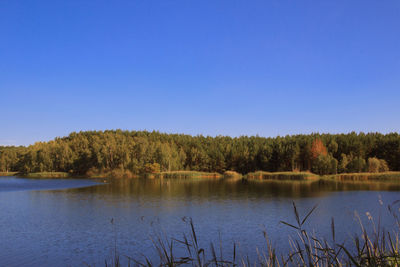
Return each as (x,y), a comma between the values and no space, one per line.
(270,67)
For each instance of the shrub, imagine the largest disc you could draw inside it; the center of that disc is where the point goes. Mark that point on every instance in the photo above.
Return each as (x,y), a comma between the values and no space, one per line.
(232,174)
(152,168)
(383,166)
(377,165)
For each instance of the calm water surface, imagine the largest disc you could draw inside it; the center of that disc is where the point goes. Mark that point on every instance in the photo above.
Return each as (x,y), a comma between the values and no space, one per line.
(67,222)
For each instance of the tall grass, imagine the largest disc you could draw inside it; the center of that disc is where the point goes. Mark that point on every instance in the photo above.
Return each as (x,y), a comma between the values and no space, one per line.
(115,173)
(47,175)
(298,176)
(367,176)
(232,174)
(8,173)
(184,174)
(376,247)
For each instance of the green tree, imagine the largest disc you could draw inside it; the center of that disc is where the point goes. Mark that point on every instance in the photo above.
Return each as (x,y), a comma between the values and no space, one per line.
(357,164)
(344,161)
(324,164)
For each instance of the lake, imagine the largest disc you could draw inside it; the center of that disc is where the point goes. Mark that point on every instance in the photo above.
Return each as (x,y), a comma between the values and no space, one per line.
(74,222)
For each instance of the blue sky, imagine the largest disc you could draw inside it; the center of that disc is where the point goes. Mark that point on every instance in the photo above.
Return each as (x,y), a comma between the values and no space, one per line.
(198,67)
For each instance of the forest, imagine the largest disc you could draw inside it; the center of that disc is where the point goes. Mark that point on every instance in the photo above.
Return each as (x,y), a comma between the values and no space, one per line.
(138,152)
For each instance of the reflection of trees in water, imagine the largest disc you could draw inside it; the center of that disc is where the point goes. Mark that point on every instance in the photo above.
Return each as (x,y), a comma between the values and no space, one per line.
(230,188)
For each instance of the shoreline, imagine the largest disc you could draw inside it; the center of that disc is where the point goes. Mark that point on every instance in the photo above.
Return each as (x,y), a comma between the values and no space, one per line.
(259,175)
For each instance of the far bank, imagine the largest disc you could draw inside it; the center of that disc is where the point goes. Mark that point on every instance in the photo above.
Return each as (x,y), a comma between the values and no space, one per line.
(259,175)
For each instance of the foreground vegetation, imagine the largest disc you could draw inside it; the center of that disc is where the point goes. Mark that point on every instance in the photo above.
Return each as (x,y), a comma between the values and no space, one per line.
(374,246)
(131,153)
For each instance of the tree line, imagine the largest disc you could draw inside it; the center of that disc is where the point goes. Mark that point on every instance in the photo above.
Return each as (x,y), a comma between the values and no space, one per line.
(138,152)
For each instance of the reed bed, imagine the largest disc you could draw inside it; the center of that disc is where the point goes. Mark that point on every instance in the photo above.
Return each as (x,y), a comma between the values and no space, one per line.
(373,247)
(184,175)
(8,173)
(296,176)
(47,175)
(365,176)
(232,174)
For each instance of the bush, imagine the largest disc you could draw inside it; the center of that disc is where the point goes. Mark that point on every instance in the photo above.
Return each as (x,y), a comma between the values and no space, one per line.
(383,167)
(232,174)
(121,173)
(377,165)
(373,165)
(152,168)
